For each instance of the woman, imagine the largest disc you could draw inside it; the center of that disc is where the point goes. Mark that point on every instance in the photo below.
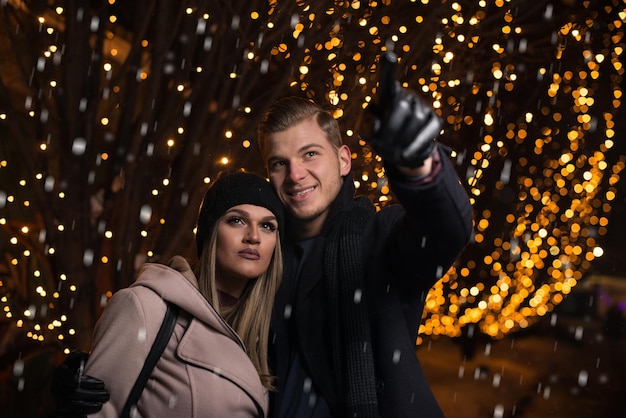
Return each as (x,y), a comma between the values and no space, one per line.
(215,363)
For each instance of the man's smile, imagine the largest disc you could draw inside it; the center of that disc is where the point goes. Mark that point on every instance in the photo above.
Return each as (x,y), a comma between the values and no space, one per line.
(300,193)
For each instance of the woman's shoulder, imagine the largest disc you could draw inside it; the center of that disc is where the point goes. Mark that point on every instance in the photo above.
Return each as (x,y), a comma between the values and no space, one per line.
(137,304)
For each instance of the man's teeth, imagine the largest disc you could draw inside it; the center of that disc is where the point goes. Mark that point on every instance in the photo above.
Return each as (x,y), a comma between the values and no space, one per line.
(300,193)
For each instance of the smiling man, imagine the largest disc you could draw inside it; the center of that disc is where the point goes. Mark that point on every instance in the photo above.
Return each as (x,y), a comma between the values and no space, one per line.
(347,313)
(307,172)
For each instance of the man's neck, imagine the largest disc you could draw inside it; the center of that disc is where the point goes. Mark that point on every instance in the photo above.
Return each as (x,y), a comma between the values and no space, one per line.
(309,228)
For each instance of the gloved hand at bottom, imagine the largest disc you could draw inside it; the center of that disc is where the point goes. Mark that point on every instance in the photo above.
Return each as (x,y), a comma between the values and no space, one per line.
(75,393)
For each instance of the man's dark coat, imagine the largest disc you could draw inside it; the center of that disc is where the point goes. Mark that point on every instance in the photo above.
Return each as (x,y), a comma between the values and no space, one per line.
(406,250)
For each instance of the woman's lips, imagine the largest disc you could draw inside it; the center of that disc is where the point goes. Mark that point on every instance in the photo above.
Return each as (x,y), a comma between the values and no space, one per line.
(249,254)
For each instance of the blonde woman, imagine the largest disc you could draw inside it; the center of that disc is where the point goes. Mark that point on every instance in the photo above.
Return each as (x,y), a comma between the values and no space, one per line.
(215,363)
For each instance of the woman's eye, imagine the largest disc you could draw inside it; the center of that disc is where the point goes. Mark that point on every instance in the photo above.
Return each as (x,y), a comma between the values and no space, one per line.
(269,226)
(235,220)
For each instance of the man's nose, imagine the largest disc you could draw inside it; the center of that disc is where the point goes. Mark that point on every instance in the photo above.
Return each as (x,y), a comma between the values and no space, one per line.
(296,172)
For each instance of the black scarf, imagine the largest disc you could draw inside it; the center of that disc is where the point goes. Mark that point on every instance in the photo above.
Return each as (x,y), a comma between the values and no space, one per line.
(352,342)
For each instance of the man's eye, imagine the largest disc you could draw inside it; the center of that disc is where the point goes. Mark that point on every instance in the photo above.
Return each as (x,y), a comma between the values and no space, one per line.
(277,164)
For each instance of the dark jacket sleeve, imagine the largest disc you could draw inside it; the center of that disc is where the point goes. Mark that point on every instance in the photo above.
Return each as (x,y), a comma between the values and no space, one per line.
(430,228)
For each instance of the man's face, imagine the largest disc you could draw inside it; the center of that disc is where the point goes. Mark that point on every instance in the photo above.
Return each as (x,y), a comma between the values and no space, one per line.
(306,171)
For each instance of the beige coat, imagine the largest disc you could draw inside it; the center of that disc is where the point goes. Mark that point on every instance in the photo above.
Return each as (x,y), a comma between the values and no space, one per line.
(204,371)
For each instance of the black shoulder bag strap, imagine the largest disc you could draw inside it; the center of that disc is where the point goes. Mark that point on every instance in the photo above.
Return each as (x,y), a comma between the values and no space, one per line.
(160,342)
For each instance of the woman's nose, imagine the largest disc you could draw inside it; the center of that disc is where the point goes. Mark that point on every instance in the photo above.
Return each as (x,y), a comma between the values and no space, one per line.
(252,235)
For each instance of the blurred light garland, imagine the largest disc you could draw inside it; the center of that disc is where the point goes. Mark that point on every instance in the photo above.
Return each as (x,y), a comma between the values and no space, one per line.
(541,174)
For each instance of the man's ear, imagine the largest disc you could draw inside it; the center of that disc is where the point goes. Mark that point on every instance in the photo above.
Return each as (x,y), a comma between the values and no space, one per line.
(345,160)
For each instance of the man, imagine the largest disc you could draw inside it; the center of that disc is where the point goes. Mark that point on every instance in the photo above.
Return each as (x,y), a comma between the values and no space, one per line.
(347,314)
(348,310)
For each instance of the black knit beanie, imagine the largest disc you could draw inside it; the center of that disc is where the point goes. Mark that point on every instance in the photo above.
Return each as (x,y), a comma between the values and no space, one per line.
(231,190)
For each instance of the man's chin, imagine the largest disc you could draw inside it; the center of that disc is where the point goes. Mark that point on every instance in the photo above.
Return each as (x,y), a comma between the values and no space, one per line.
(303,214)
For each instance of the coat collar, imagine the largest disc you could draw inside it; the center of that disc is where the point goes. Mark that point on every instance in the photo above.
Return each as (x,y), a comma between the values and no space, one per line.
(176,283)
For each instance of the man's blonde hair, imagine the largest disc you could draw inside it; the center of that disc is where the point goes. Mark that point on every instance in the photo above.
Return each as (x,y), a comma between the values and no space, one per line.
(290,111)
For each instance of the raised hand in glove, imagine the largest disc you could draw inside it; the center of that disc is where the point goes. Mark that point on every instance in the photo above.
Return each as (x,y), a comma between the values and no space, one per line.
(76,394)
(405,127)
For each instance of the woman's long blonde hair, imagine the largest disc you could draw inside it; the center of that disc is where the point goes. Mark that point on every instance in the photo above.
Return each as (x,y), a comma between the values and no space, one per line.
(250,316)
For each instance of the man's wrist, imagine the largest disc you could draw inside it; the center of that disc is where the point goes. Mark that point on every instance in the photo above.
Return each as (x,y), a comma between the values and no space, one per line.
(419,175)
(417,172)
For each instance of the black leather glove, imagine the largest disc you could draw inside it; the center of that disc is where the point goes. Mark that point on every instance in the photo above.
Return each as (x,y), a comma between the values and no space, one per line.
(76,394)
(405,127)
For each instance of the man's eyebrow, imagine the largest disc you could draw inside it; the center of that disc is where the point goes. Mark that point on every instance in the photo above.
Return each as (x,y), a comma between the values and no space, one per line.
(308,146)
(303,148)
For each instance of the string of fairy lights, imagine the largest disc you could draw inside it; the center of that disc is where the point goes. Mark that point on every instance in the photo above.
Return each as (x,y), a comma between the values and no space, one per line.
(542,178)
(563,208)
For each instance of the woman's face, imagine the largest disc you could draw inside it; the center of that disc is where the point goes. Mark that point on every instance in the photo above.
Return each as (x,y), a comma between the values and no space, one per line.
(246,237)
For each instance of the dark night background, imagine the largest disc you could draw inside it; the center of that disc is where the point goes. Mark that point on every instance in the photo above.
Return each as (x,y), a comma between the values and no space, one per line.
(114,116)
